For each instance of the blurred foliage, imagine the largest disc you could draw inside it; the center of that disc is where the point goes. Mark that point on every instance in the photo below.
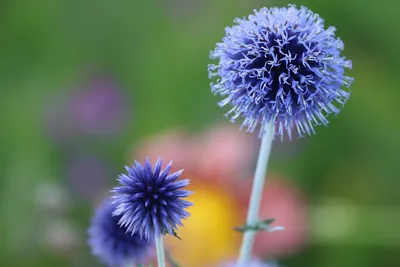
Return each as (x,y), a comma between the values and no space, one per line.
(158,53)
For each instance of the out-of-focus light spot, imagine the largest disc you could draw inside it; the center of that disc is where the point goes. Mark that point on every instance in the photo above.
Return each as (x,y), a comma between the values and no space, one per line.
(207,237)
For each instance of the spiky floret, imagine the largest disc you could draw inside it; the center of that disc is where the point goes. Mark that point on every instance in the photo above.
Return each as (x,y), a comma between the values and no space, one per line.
(282,66)
(110,242)
(151,202)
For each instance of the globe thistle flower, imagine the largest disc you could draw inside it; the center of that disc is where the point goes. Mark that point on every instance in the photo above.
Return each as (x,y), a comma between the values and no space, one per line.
(150,201)
(110,242)
(281,66)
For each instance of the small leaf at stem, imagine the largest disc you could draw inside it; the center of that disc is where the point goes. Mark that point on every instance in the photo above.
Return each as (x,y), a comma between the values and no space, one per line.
(263,225)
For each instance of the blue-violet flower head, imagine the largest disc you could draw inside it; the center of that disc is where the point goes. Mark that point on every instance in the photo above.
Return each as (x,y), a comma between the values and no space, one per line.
(281,66)
(151,201)
(110,242)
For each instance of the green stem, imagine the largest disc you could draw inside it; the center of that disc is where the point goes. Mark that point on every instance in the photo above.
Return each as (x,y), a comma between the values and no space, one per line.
(256,194)
(160,250)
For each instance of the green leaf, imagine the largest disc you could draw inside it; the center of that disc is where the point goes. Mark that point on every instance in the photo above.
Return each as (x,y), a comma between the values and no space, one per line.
(174,234)
(263,225)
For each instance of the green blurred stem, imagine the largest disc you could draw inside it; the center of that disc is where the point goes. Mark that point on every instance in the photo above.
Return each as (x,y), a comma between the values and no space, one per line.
(256,194)
(160,251)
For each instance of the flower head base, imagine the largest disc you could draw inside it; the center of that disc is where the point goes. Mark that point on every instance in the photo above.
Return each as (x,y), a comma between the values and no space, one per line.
(150,201)
(281,66)
(111,244)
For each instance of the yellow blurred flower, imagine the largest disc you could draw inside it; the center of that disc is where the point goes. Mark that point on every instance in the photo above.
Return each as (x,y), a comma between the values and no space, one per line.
(207,237)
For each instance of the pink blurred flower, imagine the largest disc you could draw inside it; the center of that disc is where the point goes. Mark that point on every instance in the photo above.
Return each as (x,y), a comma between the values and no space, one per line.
(225,153)
(220,153)
(170,145)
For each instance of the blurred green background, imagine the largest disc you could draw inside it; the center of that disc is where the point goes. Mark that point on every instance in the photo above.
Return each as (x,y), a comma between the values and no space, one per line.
(156,53)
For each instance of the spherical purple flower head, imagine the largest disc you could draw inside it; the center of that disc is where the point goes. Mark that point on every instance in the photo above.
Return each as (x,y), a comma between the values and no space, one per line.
(110,242)
(150,201)
(281,66)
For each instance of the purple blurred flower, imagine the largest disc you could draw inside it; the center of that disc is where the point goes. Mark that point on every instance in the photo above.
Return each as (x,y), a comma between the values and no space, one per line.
(87,176)
(112,244)
(96,107)
(99,108)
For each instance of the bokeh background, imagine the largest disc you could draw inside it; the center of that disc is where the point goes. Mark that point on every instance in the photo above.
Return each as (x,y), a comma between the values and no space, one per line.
(87,86)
